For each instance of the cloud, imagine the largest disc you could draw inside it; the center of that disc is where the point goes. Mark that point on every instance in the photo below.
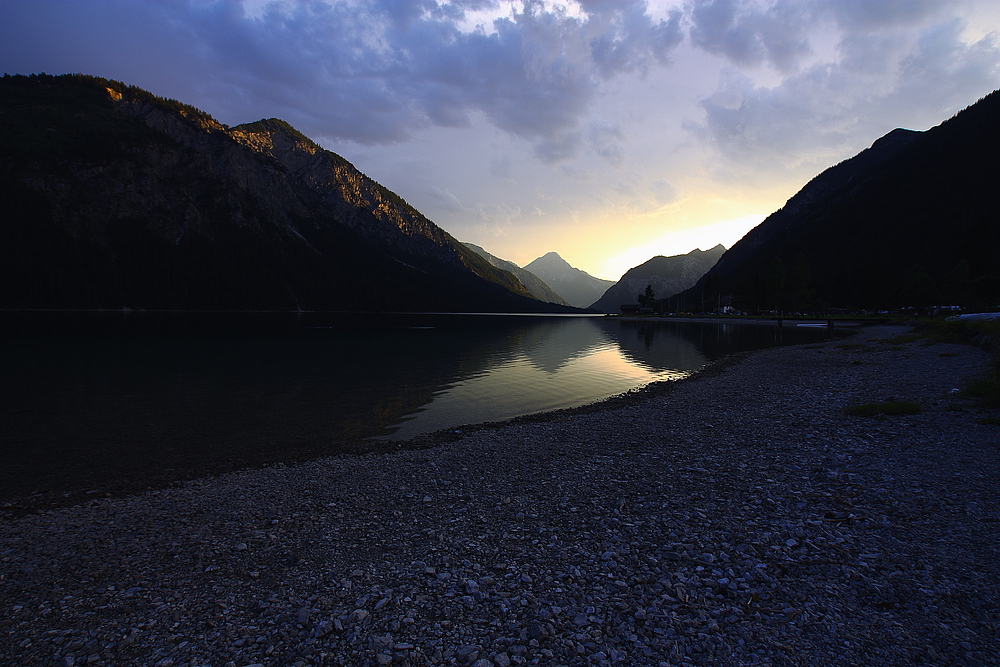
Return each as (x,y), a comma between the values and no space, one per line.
(866,16)
(369,71)
(884,68)
(749,33)
(492,219)
(624,38)
(664,192)
(961,72)
(576,173)
(497,219)
(557,148)
(502,166)
(447,201)
(605,140)
(639,195)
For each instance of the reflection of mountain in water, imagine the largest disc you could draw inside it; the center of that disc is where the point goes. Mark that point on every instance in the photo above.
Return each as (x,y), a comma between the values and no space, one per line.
(689,345)
(657,346)
(152,396)
(549,348)
(147,395)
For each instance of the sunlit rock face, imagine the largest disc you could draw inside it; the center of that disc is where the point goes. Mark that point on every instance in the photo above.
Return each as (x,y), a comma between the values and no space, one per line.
(118,198)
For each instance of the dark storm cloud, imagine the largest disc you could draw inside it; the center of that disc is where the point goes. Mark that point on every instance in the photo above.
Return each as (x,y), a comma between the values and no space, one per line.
(370,71)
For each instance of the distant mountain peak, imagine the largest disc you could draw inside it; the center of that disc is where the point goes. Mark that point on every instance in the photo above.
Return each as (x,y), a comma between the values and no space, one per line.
(535,285)
(576,286)
(552,260)
(127,199)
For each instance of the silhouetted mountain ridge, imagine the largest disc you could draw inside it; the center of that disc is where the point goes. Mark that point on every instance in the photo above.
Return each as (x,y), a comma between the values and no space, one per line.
(535,285)
(118,198)
(911,221)
(666,275)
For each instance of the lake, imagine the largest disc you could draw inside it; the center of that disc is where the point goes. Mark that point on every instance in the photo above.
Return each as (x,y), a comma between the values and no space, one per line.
(94,401)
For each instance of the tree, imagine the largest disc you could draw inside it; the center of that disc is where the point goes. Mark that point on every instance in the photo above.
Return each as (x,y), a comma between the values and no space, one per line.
(647,298)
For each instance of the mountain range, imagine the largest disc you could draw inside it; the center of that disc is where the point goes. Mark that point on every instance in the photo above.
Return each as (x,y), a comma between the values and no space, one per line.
(116,198)
(577,287)
(666,275)
(911,221)
(536,286)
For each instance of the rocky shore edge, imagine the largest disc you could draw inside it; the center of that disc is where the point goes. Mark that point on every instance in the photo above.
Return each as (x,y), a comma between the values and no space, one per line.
(741,518)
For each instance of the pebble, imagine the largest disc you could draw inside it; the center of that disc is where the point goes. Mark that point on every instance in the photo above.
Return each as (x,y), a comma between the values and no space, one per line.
(622,534)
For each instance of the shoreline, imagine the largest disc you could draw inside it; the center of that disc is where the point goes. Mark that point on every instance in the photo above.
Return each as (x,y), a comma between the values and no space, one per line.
(15,506)
(42,501)
(843,323)
(737,517)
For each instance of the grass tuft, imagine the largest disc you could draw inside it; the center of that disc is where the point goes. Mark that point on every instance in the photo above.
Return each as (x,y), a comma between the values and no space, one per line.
(890,408)
(985,389)
(960,332)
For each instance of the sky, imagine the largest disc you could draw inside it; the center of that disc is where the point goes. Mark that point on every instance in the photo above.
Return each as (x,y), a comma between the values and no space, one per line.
(609,131)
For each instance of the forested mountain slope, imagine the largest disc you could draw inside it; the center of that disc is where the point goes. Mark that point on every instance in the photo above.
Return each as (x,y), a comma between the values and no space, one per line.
(117,198)
(665,275)
(912,221)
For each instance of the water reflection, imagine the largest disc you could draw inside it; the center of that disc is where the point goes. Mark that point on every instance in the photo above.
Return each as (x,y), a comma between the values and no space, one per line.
(551,347)
(663,346)
(94,399)
(558,364)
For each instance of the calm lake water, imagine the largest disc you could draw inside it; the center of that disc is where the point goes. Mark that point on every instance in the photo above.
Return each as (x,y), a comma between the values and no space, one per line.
(97,400)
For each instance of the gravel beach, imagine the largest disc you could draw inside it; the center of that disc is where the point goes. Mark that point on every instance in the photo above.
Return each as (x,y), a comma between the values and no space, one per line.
(736,518)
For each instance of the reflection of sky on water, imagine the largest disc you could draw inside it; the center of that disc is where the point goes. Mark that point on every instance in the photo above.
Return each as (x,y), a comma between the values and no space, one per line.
(88,398)
(656,347)
(553,347)
(568,364)
(574,361)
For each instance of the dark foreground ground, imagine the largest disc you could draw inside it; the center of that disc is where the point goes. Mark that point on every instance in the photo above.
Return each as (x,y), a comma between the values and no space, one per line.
(740,518)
